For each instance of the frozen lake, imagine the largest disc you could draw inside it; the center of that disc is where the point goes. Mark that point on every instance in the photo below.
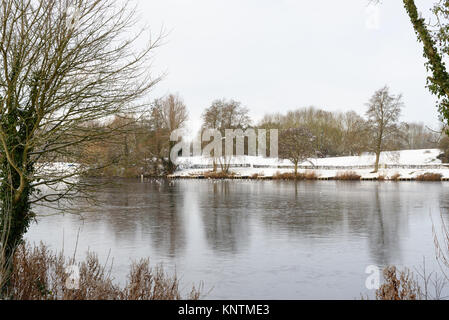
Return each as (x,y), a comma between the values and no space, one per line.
(259,239)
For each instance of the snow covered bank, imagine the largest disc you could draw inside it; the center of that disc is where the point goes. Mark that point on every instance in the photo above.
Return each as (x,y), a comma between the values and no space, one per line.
(409,164)
(57,169)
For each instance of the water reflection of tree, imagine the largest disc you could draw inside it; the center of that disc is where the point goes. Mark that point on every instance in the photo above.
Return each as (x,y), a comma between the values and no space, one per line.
(444,206)
(336,209)
(384,221)
(167,221)
(226,221)
(145,210)
(442,221)
(302,209)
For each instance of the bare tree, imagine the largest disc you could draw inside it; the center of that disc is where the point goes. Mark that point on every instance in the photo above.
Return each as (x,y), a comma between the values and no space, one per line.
(167,114)
(224,114)
(418,136)
(221,115)
(384,110)
(59,73)
(296,145)
(355,134)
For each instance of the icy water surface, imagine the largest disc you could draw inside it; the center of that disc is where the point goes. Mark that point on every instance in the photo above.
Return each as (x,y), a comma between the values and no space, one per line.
(259,240)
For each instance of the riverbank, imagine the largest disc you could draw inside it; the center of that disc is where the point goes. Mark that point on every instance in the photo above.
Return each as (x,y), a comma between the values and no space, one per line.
(342,176)
(40,273)
(406,165)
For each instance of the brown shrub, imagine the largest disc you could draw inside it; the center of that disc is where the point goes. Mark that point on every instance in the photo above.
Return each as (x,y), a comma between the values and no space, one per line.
(395,177)
(348,175)
(218,175)
(400,286)
(257,176)
(40,274)
(381,178)
(429,177)
(285,176)
(310,175)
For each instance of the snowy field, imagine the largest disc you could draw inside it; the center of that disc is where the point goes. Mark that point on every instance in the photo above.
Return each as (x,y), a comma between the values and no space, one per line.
(408,163)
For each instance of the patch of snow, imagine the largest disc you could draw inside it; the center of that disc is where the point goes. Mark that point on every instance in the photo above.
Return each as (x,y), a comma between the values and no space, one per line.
(425,159)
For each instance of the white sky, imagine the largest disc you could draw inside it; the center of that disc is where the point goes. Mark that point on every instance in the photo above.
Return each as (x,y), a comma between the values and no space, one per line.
(279,55)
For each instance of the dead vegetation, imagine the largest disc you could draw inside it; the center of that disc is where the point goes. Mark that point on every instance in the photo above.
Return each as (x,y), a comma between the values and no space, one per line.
(219,175)
(395,177)
(40,274)
(308,175)
(257,176)
(398,285)
(412,285)
(311,175)
(429,177)
(347,176)
(419,285)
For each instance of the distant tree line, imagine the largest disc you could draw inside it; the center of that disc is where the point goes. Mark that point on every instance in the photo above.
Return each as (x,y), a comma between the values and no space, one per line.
(143,146)
(350,134)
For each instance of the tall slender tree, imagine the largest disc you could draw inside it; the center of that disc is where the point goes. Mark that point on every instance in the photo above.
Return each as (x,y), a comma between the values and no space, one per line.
(384,110)
(435,43)
(167,114)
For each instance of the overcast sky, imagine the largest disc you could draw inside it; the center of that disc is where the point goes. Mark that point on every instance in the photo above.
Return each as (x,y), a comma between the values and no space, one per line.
(279,55)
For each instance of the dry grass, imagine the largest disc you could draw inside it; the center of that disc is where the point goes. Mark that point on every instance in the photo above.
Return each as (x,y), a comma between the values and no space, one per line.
(256,176)
(40,274)
(398,286)
(309,175)
(285,176)
(408,285)
(347,176)
(219,175)
(404,285)
(429,177)
(381,178)
(395,177)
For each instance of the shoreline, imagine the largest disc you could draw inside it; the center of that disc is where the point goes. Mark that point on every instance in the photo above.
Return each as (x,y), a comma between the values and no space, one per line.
(272,178)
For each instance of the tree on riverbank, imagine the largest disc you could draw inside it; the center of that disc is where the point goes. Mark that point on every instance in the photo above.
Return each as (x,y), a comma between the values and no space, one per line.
(222,115)
(383,114)
(336,133)
(296,145)
(167,115)
(60,73)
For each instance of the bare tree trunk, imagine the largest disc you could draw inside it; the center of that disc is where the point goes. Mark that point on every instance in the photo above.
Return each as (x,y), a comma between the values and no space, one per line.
(378,151)
(376,165)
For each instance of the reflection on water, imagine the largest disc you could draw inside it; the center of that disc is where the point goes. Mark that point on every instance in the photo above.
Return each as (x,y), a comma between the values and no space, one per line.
(259,240)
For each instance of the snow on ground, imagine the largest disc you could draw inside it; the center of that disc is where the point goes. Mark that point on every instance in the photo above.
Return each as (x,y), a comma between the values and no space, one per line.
(405,157)
(57,168)
(408,163)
